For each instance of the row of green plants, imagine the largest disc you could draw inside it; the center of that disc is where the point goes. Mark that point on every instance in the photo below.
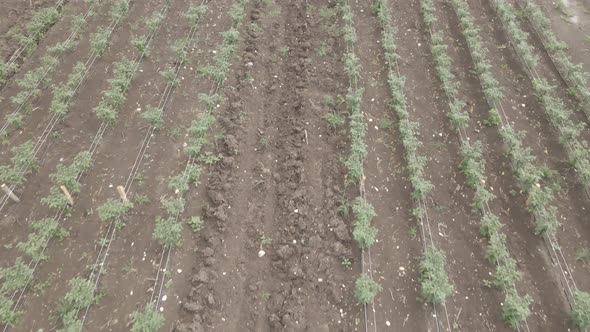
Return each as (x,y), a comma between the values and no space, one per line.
(168,231)
(434,280)
(516,308)
(32,82)
(99,42)
(557,113)
(557,49)
(27,40)
(112,211)
(23,162)
(67,176)
(80,295)
(124,72)
(47,229)
(62,96)
(16,277)
(535,182)
(364,233)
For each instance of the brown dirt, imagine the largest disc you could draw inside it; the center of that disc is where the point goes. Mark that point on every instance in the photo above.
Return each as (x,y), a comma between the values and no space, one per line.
(274,192)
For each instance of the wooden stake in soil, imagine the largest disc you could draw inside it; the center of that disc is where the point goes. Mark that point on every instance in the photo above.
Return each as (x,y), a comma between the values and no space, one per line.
(122,193)
(10,193)
(67,194)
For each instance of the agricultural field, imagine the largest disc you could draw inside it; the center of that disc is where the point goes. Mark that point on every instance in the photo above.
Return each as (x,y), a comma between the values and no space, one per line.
(294,165)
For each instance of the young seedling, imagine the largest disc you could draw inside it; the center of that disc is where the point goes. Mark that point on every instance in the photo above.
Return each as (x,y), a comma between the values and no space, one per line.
(365,289)
(581,310)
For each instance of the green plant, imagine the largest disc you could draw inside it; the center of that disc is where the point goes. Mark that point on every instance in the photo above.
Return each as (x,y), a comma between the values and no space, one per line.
(265,241)
(153,116)
(15,277)
(435,286)
(583,255)
(322,50)
(346,262)
(489,225)
(365,289)
(113,210)
(140,43)
(413,232)
(194,13)
(119,10)
(329,101)
(139,179)
(169,75)
(7,315)
(80,295)
(386,123)
(99,41)
(115,95)
(179,48)
(68,177)
(363,233)
(493,119)
(42,231)
(516,309)
(327,12)
(148,320)
(141,199)
(506,274)
(580,313)
(195,223)
(180,183)
(175,133)
(167,232)
(343,207)
(265,296)
(334,120)
(23,162)
(153,22)
(173,205)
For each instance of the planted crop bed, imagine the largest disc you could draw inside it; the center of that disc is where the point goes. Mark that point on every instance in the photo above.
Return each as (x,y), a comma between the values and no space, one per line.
(317,165)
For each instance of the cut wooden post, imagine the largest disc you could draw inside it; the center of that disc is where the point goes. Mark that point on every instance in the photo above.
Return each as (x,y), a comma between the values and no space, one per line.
(67,194)
(122,193)
(10,193)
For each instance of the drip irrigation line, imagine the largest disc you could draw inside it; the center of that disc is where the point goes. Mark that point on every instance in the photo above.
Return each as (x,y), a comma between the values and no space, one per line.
(105,247)
(111,229)
(534,76)
(56,118)
(46,72)
(551,243)
(16,54)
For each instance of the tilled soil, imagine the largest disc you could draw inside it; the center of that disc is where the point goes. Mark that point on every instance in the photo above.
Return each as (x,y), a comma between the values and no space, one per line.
(264,197)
